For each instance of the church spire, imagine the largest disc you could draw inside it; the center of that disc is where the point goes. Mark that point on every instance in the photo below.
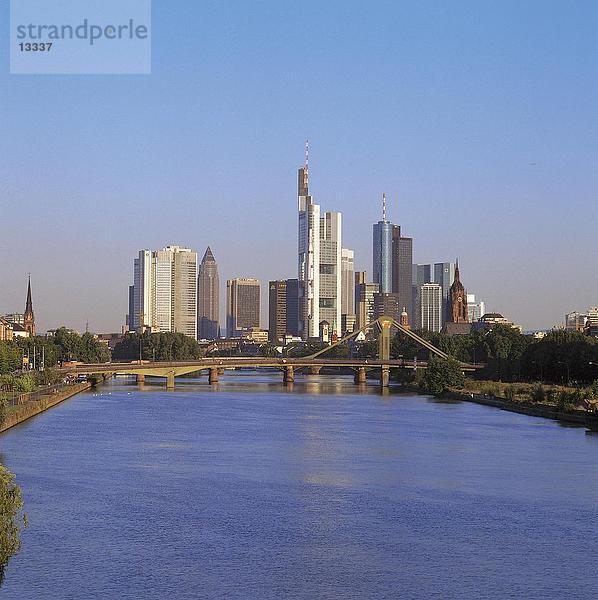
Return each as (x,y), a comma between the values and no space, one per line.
(29,316)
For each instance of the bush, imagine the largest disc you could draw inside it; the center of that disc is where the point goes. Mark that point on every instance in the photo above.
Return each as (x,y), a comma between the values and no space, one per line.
(538,393)
(440,375)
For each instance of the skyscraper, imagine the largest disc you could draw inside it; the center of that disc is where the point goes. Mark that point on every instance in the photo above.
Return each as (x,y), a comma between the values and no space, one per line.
(444,275)
(347,282)
(292,307)
(242,306)
(330,270)
(364,299)
(29,316)
(208,298)
(277,311)
(429,307)
(382,252)
(309,256)
(165,291)
(402,269)
(387,305)
(475,310)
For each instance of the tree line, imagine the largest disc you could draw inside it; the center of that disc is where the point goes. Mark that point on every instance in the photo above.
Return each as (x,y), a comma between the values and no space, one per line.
(64,345)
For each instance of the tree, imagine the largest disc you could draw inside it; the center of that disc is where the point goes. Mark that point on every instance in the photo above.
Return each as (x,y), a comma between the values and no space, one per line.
(11,503)
(441,375)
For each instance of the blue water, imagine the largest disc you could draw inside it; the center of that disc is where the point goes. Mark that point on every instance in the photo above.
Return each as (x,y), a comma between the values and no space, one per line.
(254,491)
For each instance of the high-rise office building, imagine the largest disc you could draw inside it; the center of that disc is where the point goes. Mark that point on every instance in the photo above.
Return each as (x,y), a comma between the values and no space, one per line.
(387,305)
(402,275)
(347,282)
(330,270)
(208,298)
(292,307)
(242,306)
(429,307)
(441,273)
(364,299)
(574,321)
(309,256)
(444,275)
(382,252)
(475,310)
(165,291)
(277,311)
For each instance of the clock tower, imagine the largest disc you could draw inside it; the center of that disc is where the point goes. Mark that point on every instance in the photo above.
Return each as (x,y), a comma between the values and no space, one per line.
(458,300)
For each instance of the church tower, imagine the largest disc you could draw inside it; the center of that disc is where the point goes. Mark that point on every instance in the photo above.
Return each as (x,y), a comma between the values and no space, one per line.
(458,300)
(29,317)
(405,319)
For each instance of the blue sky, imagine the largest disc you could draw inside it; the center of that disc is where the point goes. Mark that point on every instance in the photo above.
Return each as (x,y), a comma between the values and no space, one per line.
(479,119)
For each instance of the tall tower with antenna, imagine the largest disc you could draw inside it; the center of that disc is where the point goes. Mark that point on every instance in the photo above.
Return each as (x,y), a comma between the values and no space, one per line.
(308,272)
(382,252)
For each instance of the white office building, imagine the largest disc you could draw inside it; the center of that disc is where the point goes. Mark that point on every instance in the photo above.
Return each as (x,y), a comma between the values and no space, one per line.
(429,307)
(165,291)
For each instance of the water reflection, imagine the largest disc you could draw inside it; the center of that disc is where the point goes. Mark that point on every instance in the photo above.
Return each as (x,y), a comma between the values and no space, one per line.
(253,489)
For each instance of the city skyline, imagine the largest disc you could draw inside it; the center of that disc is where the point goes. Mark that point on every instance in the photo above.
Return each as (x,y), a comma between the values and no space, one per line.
(479,125)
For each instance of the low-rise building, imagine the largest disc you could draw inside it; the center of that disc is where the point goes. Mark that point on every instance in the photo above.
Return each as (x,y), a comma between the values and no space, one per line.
(6,332)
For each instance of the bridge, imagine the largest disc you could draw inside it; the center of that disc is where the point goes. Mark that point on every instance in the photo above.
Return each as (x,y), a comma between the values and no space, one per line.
(314,363)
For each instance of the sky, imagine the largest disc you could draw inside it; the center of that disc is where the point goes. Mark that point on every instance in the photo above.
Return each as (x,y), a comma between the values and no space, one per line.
(478,118)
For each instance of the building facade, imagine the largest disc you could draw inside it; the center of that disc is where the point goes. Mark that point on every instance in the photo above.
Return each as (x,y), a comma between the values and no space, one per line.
(475,309)
(242,306)
(402,269)
(458,300)
(444,275)
(387,305)
(347,282)
(277,311)
(330,270)
(429,307)
(364,299)
(382,252)
(293,307)
(164,294)
(308,273)
(208,298)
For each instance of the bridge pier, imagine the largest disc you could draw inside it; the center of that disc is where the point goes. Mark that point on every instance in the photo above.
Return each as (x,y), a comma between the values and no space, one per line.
(360,376)
(170,381)
(314,370)
(288,375)
(385,376)
(140,378)
(213,376)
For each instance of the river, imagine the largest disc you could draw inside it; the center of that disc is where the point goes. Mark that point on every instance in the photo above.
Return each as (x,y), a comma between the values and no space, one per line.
(256,491)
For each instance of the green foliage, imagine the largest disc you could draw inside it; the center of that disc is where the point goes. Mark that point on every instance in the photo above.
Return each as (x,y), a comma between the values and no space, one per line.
(11,503)
(561,357)
(64,345)
(25,384)
(441,375)
(10,357)
(161,346)
(538,393)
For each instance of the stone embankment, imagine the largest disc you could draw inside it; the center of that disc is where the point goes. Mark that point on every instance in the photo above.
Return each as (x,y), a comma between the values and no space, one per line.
(28,405)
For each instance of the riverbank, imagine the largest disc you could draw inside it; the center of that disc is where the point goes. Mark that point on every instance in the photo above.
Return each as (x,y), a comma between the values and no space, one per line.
(547,411)
(13,415)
